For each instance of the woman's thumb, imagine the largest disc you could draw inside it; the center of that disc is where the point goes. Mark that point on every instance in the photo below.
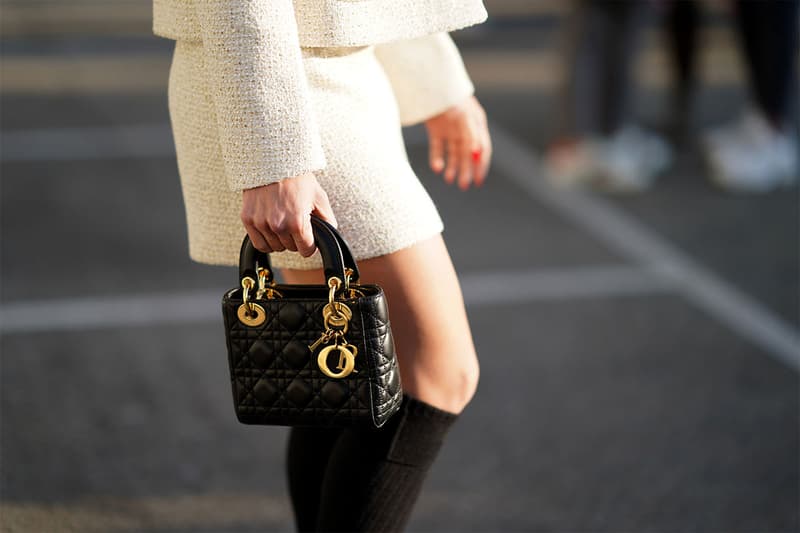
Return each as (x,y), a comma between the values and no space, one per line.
(323,209)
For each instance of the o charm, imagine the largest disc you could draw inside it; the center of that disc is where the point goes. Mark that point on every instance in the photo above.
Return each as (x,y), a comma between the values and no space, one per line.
(347,361)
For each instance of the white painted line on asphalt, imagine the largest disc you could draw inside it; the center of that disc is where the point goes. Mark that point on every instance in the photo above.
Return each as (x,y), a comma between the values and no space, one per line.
(220,510)
(184,511)
(89,142)
(627,236)
(105,312)
(480,288)
(133,73)
(521,286)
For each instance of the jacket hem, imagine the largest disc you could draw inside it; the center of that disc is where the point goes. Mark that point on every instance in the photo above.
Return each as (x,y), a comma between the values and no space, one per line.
(367,22)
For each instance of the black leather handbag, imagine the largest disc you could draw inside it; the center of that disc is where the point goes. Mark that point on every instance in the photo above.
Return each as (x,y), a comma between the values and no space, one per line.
(310,355)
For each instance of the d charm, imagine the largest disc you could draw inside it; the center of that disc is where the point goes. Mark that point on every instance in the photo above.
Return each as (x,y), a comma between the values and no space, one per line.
(347,360)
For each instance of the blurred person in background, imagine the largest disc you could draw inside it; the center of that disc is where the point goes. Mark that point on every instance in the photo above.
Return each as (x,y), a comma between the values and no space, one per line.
(600,146)
(682,19)
(758,151)
(598,143)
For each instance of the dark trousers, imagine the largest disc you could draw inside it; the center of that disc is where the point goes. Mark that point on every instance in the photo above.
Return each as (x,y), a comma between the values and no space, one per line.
(768,31)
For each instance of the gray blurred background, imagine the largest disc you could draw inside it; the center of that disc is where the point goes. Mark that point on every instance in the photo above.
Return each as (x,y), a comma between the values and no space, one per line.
(640,352)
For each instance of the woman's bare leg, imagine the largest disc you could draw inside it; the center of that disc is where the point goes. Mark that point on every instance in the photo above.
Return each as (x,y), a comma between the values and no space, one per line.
(372,479)
(432,337)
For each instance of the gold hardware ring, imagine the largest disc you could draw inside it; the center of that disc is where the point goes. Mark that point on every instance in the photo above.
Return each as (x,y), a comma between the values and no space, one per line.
(252,317)
(249,313)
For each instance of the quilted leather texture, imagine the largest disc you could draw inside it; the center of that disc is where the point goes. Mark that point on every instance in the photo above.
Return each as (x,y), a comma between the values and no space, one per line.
(275,378)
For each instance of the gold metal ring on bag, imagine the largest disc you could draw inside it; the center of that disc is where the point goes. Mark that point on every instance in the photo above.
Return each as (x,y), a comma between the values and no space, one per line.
(250,313)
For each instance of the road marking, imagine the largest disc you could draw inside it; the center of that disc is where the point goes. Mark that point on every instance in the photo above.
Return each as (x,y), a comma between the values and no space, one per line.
(503,70)
(185,511)
(721,300)
(35,18)
(479,288)
(85,74)
(107,312)
(521,286)
(221,511)
(88,142)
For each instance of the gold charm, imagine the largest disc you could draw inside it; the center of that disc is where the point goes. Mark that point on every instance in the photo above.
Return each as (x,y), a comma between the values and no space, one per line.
(251,314)
(347,361)
(324,338)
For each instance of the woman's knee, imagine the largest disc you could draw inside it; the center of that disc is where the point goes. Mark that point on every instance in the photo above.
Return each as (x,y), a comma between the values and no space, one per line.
(467,386)
(447,381)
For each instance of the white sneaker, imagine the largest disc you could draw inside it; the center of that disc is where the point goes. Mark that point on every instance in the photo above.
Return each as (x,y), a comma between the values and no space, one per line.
(574,165)
(744,129)
(631,160)
(751,156)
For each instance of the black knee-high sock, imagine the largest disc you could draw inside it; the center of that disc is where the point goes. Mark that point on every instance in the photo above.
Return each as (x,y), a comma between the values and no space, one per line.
(306,460)
(374,476)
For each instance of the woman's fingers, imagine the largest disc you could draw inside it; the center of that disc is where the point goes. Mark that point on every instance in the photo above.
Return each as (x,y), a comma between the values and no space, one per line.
(484,152)
(478,166)
(466,165)
(287,239)
(486,156)
(273,242)
(482,155)
(453,159)
(266,235)
(305,238)
(436,152)
(258,240)
(276,215)
(459,144)
(322,207)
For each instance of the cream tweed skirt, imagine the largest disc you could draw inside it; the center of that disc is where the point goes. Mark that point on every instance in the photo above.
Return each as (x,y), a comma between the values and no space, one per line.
(379,202)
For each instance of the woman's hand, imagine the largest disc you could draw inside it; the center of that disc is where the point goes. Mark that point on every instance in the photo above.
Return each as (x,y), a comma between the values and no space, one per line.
(277,216)
(462,134)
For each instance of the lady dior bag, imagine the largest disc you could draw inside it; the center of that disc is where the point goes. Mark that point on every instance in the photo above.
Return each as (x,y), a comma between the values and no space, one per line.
(310,355)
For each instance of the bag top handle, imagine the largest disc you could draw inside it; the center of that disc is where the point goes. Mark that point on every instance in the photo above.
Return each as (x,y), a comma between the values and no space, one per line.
(336,254)
(347,255)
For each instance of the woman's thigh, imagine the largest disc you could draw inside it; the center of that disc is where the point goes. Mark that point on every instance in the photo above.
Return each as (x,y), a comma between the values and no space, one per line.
(429,323)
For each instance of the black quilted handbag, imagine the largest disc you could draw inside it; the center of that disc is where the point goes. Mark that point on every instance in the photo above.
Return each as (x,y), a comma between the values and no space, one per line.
(310,355)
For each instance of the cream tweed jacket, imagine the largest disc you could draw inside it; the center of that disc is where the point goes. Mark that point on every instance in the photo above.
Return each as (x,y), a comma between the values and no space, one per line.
(254,59)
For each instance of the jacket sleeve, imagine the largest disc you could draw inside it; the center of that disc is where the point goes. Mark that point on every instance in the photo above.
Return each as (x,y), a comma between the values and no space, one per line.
(427,75)
(267,127)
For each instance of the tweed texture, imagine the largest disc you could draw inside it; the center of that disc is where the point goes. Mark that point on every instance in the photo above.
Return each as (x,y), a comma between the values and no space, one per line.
(324,23)
(256,73)
(427,75)
(378,200)
(256,80)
